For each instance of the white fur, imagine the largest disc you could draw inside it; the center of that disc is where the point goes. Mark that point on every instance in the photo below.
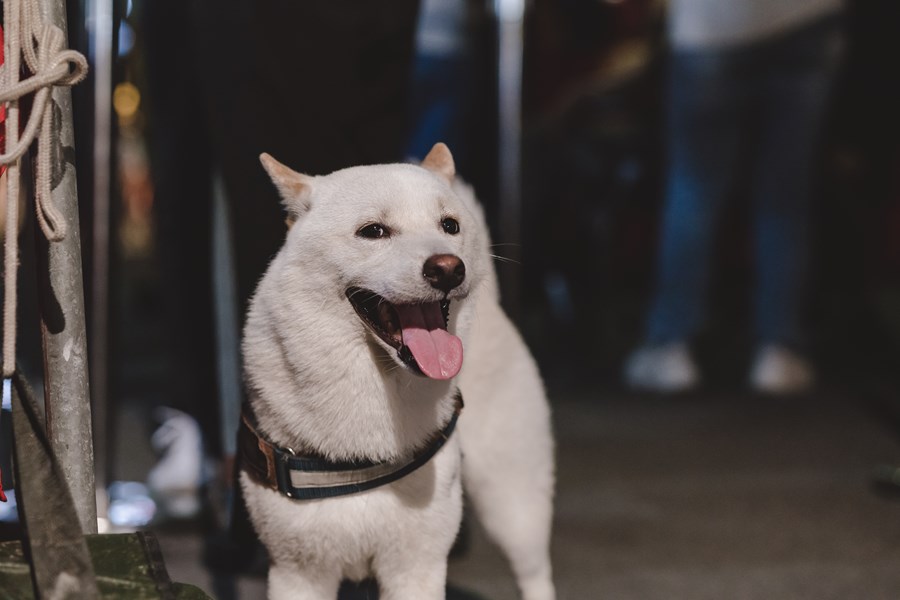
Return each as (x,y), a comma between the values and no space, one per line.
(320,381)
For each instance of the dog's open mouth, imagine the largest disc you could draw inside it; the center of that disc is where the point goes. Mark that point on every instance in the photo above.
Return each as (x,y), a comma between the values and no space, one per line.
(417,331)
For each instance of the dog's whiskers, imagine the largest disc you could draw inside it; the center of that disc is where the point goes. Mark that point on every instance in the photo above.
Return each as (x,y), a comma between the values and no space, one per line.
(391,367)
(499,258)
(387,362)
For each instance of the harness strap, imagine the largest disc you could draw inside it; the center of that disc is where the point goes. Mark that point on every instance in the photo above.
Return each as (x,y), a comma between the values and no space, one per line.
(312,477)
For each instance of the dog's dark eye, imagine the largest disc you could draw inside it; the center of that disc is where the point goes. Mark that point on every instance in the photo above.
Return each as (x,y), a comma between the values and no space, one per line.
(450,225)
(373,231)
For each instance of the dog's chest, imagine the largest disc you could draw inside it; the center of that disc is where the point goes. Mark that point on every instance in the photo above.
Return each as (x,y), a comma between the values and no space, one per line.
(354,530)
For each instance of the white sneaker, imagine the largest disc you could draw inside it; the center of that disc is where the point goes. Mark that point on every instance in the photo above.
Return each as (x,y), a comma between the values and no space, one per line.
(667,368)
(778,370)
(176,481)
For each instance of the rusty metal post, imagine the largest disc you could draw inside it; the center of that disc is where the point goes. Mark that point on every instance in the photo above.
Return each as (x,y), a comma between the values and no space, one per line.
(66,388)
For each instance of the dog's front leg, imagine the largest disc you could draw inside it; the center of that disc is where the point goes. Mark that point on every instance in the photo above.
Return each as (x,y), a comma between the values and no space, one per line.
(425,582)
(288,582)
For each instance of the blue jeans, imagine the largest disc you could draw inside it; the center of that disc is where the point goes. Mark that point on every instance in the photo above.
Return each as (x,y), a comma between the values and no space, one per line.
(758,107)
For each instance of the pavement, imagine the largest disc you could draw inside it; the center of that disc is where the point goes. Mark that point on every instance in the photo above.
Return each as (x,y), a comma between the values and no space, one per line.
(714,495)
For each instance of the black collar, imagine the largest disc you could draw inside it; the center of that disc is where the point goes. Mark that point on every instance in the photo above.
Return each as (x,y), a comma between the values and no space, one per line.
(312,477)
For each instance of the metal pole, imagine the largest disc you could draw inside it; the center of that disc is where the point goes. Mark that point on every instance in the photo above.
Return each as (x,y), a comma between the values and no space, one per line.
(228,346)
(101,35)
(66,388)
(510,24)
(101,48)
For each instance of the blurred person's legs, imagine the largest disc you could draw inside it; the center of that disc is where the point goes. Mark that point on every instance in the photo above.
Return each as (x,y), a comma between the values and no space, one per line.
(320,85)
(181,164)
(706,108)
(796,74)
(443,76)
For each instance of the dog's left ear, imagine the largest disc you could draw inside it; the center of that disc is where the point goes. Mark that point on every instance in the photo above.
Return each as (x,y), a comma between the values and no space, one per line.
(295,188)
(440,161)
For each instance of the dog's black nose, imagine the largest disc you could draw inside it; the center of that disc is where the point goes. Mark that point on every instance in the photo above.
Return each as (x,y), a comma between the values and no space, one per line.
(444,271)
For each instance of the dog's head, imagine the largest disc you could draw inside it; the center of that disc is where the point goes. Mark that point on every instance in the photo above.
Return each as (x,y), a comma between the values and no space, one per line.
(392,246)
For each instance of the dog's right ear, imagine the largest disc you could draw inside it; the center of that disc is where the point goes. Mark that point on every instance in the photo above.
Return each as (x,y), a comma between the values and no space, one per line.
(295,188)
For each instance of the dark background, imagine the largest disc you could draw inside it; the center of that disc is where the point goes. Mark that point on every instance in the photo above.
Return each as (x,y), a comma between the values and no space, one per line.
(591,199)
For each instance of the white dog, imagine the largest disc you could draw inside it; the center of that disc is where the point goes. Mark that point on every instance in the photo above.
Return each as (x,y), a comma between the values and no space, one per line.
(353,352)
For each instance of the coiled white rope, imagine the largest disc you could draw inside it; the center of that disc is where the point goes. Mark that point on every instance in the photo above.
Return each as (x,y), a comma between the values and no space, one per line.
(43,46)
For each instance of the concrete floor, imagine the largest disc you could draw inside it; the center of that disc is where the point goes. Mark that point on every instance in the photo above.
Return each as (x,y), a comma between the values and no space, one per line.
(710,496)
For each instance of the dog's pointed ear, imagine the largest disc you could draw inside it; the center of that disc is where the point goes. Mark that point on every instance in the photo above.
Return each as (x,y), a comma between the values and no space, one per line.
(295,188)
(440,161)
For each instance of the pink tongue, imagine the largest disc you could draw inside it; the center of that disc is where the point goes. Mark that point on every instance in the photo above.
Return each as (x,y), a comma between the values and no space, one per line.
(438,353)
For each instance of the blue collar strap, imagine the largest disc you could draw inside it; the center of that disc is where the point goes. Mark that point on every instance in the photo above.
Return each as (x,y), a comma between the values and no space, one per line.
(312,477)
